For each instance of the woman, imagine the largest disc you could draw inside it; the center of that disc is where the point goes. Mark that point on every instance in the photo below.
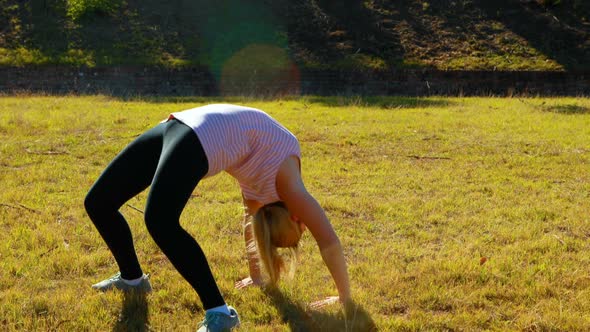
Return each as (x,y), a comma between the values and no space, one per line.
(172,158)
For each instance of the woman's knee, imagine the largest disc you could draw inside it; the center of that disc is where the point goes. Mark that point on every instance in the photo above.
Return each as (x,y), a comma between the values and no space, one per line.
(159,222)
(99,203)
(93,203)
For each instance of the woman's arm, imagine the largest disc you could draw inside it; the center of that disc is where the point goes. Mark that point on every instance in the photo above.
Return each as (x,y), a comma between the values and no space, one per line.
(255,278)
(301,204)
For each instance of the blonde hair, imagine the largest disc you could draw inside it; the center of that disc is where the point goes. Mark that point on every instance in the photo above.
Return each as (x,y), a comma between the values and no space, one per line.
(273,228)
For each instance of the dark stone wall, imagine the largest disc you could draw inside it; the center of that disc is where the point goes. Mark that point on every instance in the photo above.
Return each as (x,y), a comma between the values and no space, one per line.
(122,81)
(448,83)
(107,80)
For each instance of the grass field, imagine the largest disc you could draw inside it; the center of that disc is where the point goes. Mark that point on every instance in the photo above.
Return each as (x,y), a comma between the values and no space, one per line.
(455,214)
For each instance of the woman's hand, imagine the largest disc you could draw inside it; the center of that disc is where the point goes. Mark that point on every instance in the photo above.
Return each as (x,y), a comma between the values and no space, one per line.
(325,302)
(247,282)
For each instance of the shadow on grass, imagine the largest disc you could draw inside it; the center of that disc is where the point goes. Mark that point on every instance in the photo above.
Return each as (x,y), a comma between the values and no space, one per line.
(301,319)
(134,313)
(382,102)
(163,99)
(567,109)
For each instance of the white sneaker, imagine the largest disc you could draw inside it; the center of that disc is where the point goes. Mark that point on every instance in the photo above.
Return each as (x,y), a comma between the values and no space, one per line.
(117,282)
(220,322)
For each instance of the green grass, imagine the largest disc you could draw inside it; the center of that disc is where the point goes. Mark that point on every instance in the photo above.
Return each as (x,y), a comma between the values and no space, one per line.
(419,190)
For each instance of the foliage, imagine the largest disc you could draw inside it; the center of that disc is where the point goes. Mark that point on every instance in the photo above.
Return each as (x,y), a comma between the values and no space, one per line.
(454,214)
(356,61)
(320,34)
(78,9)
(22,56)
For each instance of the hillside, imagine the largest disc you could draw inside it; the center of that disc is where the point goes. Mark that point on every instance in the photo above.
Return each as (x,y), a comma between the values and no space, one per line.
(378,34)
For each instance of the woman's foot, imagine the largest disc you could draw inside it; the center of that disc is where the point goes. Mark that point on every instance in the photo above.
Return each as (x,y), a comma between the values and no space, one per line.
(220,322)
(117,282)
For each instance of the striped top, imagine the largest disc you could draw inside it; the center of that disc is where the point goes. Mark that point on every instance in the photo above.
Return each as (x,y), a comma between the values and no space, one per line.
(246,143)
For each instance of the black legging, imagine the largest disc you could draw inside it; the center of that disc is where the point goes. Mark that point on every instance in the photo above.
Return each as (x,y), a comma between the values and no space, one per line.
(171,159)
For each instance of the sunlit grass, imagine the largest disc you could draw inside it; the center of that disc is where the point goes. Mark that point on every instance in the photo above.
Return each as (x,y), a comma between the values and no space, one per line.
(455,214)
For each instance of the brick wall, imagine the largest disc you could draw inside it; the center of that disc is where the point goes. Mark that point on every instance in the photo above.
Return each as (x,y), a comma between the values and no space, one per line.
(199,81)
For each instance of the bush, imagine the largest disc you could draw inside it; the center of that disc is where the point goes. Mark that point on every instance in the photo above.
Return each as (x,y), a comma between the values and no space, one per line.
(22,56)
(77,9)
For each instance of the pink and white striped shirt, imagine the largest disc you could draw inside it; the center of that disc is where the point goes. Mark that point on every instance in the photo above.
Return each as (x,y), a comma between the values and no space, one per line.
(246,143)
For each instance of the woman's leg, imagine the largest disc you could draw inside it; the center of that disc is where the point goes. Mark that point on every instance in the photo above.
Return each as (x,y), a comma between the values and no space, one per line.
(182,165)
(127,175)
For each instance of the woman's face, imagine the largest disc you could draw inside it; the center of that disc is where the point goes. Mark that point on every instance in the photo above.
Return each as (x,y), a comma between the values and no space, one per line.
(285,228)
(301,225)
(287,232)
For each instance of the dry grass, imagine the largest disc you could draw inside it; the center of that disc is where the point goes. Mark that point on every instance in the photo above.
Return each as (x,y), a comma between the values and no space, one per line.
(455,214)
